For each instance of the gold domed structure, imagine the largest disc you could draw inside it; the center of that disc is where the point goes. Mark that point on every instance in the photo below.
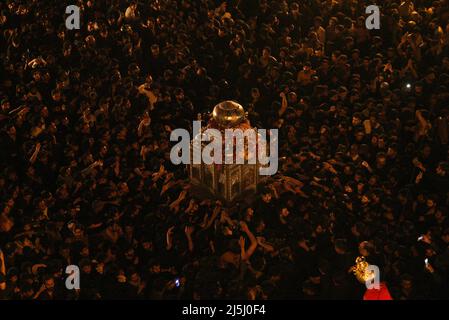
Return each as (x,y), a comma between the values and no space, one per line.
(226,181)
(228,114)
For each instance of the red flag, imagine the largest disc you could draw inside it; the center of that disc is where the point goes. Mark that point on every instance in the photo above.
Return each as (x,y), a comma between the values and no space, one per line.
(378,294)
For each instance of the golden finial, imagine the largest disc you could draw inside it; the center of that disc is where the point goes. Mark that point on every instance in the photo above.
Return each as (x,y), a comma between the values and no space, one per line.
(361,271)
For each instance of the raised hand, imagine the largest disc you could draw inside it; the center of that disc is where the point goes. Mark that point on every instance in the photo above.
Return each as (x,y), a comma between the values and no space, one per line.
(188,230)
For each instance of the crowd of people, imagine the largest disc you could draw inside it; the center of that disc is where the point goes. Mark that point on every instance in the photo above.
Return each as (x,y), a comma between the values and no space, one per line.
(86,178)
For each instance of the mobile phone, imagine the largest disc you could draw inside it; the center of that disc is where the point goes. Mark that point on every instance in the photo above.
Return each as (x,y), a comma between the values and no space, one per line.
(177,283)
(426,261)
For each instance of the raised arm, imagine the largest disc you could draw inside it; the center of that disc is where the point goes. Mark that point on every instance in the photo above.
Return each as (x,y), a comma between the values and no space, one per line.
(188,230)
(246,255)
(284,104)
(35,153)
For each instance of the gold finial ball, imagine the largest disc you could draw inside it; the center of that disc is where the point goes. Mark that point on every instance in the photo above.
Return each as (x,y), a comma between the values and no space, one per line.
(228,114)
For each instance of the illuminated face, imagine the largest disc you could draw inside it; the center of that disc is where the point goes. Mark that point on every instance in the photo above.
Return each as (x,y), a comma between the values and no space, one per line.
(255,94)
(156,269)
(372,181)
(155,51)
(362,249)
(135,277)
(87,269)
(266,53)
(359,136)
(78,232)
(49,283)
(85,252)
(440,171)
(446,63)
(365,199)
(29,293)
(6,106)
(418,89)
(147,245)
(356,121)
(391,152)
(360,187)
(381,161)
(266,197)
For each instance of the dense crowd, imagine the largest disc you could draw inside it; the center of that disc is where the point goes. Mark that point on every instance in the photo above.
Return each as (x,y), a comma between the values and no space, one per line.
(86,178)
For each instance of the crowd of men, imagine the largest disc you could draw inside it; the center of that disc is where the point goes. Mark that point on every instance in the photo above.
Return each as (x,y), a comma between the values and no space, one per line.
(86,178)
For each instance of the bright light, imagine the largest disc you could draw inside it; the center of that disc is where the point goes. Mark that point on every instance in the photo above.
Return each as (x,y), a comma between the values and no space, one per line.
(408,85)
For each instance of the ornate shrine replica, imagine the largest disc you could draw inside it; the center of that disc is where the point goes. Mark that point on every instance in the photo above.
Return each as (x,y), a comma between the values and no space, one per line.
(226,181)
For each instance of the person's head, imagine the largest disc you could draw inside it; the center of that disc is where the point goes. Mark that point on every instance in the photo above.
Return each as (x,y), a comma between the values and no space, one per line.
(255,93)
(266,52)
(340,246)
(445,236)
(49,282)
(307,66)
(5,105)
(221,32)
(430,202)
(155,268)
(392,151)
(317,21)
(84,251)
(406,282)
(442,169)
(359,135)
(147,245)
(86,266)
(155,50)
(11,130)
(348,170)
(418,88)
(64,251)
(266,197)
(294,8)
(260,225)
(249,213)
(134,278)
(78,233)
(284,212)
(292,97)
(366,62)
(229,258)
(27,291)
(366,248)
(430,77)
(381,160)
(309,289)
(356,119)
(129,253)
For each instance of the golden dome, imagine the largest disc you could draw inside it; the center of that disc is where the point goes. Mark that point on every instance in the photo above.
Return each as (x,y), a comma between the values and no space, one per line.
(228,114)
